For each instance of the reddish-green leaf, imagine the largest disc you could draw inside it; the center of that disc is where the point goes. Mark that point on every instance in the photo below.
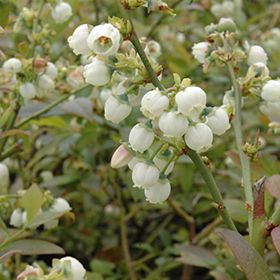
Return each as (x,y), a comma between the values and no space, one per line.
(196,256)
(248,258)
(272,184)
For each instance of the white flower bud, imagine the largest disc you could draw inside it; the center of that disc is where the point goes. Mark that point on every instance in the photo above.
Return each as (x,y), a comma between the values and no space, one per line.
(97,73)
(154,103)
(60,205)
(271,91)
(16,218)
(257,54)
(104,39)
(12,65)
(77,269)
(51,70)
(161,160)
(116,110)
(199,137)
(4,177)
(27,91)
(145,175)
(173,124)
(78,40)
(141,138)
(218,121)
(159,192)
(153,49)
(121,157)
(191,102)
(46,83)
(199,51)
(61,12)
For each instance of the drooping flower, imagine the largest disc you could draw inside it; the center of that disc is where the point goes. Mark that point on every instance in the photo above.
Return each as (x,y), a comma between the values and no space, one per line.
(191,101)
(173,124)
(199,137)
(116,109)
(97,73)
(159,192)
(78,40)
(141,138)
(154,103)
(218,121)
(145,175)
(257,54)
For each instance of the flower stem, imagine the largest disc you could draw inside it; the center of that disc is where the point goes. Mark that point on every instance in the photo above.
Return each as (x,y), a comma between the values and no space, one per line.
(49,107)
(244,160)
(213,188)
(154,79)
(205,173)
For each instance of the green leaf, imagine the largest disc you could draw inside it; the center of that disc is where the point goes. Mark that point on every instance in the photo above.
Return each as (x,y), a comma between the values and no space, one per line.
(248,258)
(5,8)
(31,247)
(236,210)
(32,201)
(102,267)
(50,122)
(196,256)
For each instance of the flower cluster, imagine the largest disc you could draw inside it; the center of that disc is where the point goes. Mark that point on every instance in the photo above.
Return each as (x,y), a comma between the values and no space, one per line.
(221,47)
(32,79)
(64,268)
(177,118)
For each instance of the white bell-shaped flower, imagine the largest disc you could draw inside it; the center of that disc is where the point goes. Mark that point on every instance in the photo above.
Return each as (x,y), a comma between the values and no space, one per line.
(199,51)
(12,65)
(121,157)
(218,121)
(257,54)
(4,177)
(77,269)
(191,102)
(173,124)
(258,69)
(141,138)
(78,40)
(271,91)
(27,90)
(116,110)
(16,218)
(104,39)
(159,192)
(51,70)
(199,137)
(145,175)
(60,205)
(154,103)
(76,78)
(97,73)
(61,12)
